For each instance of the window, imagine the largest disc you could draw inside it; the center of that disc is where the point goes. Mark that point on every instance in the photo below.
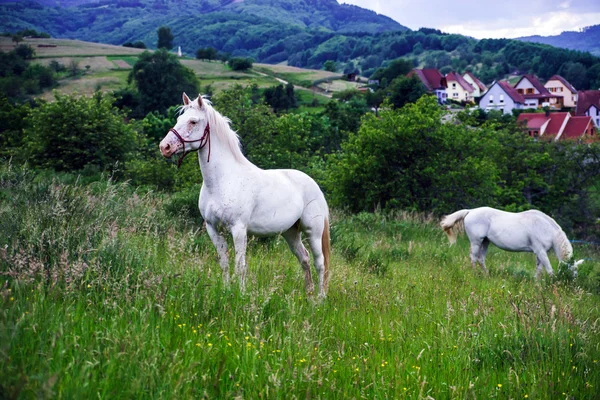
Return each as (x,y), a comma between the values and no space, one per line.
(501,98)
(491,98)
(454,86)
(530,91)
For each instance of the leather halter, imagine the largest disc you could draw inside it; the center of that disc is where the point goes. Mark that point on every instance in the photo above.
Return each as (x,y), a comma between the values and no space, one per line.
(203,140)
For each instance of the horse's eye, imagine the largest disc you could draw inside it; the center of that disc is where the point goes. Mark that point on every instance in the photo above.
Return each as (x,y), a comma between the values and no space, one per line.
(193,122)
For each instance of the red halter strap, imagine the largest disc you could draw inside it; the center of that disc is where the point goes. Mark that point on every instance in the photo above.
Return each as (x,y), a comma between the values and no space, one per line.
(203,141)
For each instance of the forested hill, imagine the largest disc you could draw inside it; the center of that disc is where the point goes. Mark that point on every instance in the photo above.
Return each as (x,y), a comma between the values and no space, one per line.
(588,39)
(93,19)
(301,33)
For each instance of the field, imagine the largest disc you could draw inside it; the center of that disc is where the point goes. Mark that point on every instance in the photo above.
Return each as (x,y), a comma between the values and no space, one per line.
(106,67)
(109,291)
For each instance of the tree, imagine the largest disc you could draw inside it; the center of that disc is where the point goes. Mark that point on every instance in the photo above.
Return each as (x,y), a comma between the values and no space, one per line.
(240,63)
(165,38)
(400,160)
(74,132)
(160,79)
(405,89)
(330,66)
(208,53)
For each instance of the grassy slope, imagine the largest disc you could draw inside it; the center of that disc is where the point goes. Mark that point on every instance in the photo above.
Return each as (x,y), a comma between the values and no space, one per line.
(106,285)
(109,65)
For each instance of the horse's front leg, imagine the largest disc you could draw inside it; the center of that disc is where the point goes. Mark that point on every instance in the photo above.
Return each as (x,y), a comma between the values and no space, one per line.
(221,244)
(542,259)
(240,241)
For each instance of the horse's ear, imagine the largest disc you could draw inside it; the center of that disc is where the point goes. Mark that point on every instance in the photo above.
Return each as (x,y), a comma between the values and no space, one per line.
(200,103)
(186,99)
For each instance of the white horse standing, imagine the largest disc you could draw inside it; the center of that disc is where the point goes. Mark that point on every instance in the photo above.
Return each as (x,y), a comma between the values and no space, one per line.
(531,231)
(240,198)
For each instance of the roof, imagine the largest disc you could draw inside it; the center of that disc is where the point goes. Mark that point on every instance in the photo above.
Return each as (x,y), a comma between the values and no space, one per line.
(563,81)
(511,92)
(576,127)
(557,120)
(480,84)
(533,120)
(586,99)
(431,78)
(534,82)
(453,76)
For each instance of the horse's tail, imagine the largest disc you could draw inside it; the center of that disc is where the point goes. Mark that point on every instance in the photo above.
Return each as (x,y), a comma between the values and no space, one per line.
(562,246)
(325,244)
(449,221)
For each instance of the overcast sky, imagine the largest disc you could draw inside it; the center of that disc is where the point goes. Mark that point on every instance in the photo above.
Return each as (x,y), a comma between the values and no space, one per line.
(489,19)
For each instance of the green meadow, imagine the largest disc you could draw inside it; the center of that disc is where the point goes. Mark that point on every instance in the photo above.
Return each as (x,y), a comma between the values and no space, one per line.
(112,291)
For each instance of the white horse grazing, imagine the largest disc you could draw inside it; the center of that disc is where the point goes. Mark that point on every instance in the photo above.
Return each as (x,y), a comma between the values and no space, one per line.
(240,198)
(531,231)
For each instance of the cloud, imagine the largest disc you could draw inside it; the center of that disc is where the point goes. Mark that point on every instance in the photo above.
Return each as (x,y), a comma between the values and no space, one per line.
(487,19)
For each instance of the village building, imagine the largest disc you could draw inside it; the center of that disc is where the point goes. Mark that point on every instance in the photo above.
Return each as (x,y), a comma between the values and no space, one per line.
(534,93)
(434,81)
(559,86)
(558,126)
(458,88)
(503,97)
(588,104)
(478,87)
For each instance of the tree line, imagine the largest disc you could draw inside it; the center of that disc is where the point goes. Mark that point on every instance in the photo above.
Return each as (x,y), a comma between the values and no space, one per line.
(403,157)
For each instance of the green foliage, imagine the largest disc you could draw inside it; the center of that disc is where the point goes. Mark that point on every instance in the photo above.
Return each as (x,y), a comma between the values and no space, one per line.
(13,119)
(397,68)
(280,97)
(137,45)
(72,133)
(240,63)
(405,90)
(401,160)
(330,66)
(208,53)
(25,51)
(161,79)
(165,38)
(18,78)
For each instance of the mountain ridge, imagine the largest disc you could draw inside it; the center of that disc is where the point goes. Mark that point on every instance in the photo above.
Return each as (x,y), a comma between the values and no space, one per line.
(587,39)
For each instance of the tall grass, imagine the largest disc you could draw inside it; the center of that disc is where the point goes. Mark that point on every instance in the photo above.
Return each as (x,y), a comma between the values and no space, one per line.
(108,292)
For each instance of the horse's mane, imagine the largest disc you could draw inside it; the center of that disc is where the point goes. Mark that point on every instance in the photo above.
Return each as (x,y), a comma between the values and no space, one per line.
(220,126)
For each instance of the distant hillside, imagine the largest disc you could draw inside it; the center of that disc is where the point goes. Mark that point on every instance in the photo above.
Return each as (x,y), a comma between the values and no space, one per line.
(300,33)
(586,40)
(84,19)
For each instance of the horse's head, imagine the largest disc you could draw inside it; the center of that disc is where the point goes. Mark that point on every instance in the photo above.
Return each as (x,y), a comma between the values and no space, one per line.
(190,133)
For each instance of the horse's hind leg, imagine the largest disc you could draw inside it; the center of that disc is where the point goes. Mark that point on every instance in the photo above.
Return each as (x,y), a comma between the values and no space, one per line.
(475,247)
(315,234)
(221,244)
(293,238)
(483,252)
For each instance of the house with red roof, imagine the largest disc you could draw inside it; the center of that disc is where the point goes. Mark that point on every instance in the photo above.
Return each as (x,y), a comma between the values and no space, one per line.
(581,129)
(458,88)
(535,94)
(503,97)
(559,86)
(558,126)
(478,87)
(588,103)
(433,80)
